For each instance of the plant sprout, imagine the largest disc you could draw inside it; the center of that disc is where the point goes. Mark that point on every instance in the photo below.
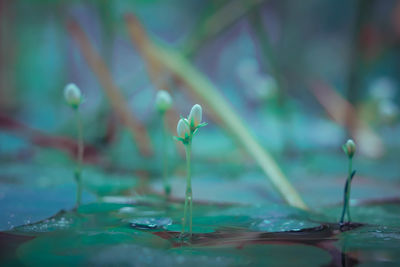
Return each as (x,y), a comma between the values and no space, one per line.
(164,103)
(186,129)
(349,148)
(74,98)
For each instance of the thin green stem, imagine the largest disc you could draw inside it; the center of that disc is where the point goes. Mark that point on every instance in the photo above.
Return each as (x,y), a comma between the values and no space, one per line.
(184,216)
(78,171)
(344,201)
(346,195)
(191,213)
(188,197)
(349,188)
(167,187)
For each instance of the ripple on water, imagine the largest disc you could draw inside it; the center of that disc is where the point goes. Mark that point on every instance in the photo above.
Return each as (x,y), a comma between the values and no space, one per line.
(150,223)
(127,210)
(276,225)
(48,225)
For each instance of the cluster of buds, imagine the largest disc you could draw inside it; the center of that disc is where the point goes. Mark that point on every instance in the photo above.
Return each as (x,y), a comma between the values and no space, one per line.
(187,127)
(73,95)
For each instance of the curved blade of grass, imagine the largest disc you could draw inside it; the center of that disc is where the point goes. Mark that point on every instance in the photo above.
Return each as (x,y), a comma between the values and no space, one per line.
(184,72)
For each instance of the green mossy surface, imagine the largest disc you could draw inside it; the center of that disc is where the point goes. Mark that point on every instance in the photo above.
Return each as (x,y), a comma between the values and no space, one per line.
(229,232)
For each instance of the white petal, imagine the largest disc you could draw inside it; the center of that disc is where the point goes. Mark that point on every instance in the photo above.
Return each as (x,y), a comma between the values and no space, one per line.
(182,128)
(195,115)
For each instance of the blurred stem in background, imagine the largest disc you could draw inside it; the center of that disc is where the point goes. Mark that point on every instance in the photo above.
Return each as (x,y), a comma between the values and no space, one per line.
(8,46)
(78,171)
(167,186)
(108,22)
(363,9)
(270,63)
(268,59)
(221,18)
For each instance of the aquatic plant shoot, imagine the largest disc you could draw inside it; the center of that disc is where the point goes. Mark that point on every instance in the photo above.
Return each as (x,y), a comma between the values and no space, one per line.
(349,149)
(186,129)
(73,97)
(163,104)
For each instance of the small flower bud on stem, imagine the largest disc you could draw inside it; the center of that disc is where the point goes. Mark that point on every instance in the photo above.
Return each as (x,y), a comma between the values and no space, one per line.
(186,129)
(163,101)
(163,104)
(73,97)
(349,148)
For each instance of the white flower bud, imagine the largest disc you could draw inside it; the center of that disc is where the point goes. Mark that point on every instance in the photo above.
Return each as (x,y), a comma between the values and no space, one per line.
(183,129)
(72,95)
(350,148)
(163,101)
(195,116)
